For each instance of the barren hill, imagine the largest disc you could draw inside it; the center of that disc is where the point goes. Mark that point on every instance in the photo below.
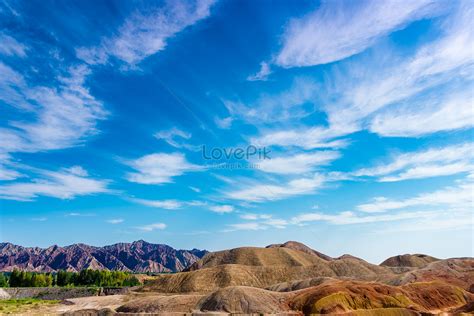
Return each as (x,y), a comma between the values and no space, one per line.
(262,267)
(345,296)
(416,260)
(329,297)
(254,256)
(301,247)
(455,271)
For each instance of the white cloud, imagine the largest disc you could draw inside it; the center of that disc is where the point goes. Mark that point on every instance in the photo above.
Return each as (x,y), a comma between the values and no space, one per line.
(39,219)
(6,168)
(223,123)
(395,94)
(252,217)
(307,138)
(145,33)
(295,102)
(168,204)
(448,220)
(63,184)
(256,192)
(262,74)
(432,162)
(340,29)
(222,209)
(245,226)
(165,204)
(297,164)
(428,171)
(65,115)
(160,168)
(448,208)
(460,196)
(276,223)
(174,138)
(8,174)
(265,222)
(195,203)
(115,221)
(349,218)
(389,81)
(197,190)
(438,113)
(152,227)
(76,214)
(11,47)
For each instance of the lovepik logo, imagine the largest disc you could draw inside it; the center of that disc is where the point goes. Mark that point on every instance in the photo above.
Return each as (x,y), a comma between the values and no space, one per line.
(237,153)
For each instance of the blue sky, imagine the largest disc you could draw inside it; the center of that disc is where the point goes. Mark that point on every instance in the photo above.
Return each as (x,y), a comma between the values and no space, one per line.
(365,108)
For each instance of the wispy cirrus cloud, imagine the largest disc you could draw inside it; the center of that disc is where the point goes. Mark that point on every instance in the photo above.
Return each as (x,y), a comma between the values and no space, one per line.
(39,219)
(306,138)
(65,115)
(174,137)
(297,101)
(146,32)
(7,167)
(450,197)
(224,123)
(377,93)
(427,163)
(299,163)
(165,204)
(77,214)
(258,225)
(151,227)
(351,218)
(339,29)
(195,189)
(258,192)
(160,168)
(446,111)
(168,204)
(11,47)
(252,216)
(63,184)
(262,74)
(115,221)
(222,209)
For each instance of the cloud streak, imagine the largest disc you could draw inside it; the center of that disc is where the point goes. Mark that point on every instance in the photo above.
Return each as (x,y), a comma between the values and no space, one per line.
(428,163)
(256,192)
(160,168)
(63,184)
(65,115)
(299,163)
(340,29)
(145,33)
(151,227)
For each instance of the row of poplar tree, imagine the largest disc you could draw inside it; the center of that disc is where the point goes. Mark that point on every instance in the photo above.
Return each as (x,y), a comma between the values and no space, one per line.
(64,278)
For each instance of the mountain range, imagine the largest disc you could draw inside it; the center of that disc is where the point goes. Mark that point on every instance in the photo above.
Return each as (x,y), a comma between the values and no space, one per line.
(288,278)
(138,256)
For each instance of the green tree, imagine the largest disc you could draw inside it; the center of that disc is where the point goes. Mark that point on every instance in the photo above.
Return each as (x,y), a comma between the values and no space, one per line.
(15,280)
(3,280)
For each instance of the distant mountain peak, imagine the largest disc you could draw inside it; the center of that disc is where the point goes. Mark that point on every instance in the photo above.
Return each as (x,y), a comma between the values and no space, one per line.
(138,256)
